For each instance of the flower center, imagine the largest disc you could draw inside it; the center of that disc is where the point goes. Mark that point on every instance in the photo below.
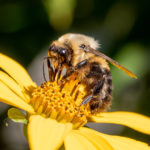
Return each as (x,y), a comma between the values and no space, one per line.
(61,102)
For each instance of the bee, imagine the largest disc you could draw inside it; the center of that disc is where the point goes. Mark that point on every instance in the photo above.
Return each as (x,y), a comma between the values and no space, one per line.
(79,55)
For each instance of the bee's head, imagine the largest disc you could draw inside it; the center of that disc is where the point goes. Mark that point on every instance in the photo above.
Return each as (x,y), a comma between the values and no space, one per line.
(70,45)
(78,43)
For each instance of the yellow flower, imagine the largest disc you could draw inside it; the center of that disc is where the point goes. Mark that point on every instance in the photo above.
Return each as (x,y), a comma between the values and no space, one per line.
(53,116)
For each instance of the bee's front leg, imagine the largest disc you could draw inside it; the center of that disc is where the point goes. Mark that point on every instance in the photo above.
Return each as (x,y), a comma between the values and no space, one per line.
(72,69)
(51,71)
(81,64)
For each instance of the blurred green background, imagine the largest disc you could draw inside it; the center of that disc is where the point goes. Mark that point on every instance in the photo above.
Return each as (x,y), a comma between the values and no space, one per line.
(122,27)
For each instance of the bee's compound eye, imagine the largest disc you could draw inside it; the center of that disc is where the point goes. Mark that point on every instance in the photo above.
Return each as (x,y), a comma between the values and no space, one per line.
(63,52)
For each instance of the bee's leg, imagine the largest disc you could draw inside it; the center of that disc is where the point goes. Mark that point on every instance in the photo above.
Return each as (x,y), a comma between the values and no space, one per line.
(86,100)
(73,69)
(44,72)
(95,92)
(59,70)
(51,71)
(81,64)
(99,87)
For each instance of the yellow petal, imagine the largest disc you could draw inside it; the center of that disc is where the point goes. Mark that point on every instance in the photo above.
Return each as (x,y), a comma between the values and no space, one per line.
(136,121)
(8,97)
(15,70)
(75,141)
(11,84)
(120,143)
(99,142)
(124,143)
(45,133)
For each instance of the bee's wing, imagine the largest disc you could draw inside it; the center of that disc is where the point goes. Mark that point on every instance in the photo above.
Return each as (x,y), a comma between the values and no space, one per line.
(112,62)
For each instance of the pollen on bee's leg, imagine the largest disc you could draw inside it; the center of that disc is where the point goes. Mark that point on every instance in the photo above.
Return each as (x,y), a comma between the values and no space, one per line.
(49,101)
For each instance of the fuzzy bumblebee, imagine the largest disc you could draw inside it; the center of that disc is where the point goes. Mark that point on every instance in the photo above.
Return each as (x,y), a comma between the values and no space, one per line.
(75,56)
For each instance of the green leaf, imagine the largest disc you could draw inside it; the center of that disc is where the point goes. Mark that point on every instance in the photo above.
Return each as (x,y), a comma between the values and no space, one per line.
(17,116)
